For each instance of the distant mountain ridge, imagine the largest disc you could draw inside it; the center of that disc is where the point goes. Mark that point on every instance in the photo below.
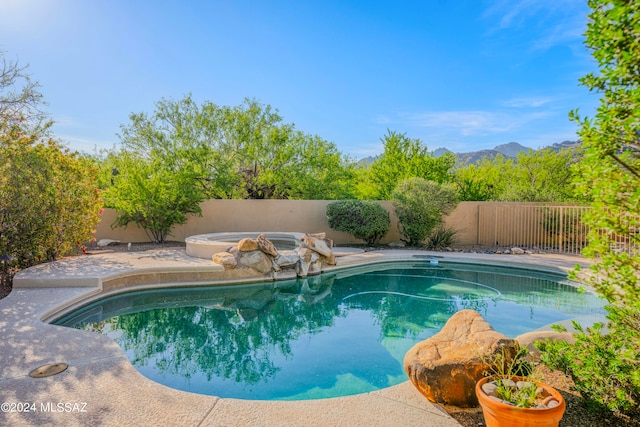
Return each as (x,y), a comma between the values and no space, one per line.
(511,149)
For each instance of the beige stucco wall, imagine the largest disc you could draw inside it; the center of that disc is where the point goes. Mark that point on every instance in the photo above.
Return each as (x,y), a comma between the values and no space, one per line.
(476,223)
(304,216)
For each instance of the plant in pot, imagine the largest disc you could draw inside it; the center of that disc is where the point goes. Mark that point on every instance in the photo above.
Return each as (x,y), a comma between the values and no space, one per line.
(511,395)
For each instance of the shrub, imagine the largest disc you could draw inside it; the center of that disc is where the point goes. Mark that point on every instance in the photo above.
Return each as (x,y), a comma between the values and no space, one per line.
(441,238)
(365,220)
(604,361)
(420,206)
(50,200)
(604,366)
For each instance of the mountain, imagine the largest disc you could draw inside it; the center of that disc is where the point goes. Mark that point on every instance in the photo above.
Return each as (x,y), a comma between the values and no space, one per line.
(564,145)
(440,151)
(511,149)
(366,162)
(475,156)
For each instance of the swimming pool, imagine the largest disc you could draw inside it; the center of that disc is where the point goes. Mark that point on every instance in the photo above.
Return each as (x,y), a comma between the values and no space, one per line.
(336,334)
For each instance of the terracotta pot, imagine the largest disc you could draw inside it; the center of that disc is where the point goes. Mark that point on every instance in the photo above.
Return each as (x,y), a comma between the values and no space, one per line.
(498,414)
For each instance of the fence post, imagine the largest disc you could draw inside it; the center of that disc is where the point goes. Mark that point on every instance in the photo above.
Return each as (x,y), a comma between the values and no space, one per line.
(561,231)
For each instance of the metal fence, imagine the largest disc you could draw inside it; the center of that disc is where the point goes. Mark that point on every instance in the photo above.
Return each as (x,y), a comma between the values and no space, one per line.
(556,229)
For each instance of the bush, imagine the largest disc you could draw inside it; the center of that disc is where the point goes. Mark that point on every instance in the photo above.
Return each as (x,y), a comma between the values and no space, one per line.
(50,199)
(604,366)
(441,238)
(420,206)
(365,220)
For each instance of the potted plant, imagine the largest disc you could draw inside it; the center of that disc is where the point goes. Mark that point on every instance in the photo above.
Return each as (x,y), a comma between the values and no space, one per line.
(510,395)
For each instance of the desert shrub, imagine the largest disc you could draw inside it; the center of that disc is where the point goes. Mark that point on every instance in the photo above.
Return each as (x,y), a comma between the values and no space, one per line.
(441,238)
(603,366)
(363,219)
(49,197)
(420,206)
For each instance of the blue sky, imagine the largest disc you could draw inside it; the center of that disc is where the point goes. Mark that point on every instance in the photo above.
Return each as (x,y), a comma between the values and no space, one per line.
(460,74)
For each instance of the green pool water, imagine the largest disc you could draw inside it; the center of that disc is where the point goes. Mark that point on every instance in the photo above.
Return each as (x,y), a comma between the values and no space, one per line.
(331,335)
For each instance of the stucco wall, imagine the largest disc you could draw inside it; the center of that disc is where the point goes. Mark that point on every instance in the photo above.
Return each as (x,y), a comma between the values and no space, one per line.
(305,216)
(476,223)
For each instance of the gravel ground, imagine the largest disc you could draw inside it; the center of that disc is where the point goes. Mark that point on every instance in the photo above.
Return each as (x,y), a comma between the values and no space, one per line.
(576,414)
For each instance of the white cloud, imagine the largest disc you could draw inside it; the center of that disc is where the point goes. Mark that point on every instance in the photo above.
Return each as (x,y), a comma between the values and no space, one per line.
(568,31)
(472,123)
(510,11)
(548,22)
(527,102)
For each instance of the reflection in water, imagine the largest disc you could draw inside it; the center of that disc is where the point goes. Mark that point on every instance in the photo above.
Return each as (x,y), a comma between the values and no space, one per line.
(328,335)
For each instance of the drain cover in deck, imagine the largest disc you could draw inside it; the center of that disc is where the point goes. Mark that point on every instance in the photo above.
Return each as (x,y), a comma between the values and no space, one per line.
(48,370)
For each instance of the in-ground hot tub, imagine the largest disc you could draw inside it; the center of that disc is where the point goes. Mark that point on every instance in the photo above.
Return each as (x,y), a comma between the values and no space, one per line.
(205,245)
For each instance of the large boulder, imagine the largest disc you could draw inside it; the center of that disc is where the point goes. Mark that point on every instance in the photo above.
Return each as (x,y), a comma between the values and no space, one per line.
(307,258)
(266,246)
(225,259)
(446,367)
(247,245)
(286,259)
(257,260)
(318,244)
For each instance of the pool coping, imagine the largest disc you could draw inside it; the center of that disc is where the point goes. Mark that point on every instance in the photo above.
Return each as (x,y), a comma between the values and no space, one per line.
(101,387)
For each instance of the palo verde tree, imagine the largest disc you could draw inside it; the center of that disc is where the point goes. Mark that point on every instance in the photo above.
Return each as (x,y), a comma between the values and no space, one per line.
(534,176)
(147,192)
(606,365)
(183,153)
(539,176)
(244,151)
(404,158)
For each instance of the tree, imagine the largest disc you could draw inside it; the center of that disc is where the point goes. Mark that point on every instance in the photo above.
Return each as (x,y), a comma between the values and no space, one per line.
(541,176)
(20,100)
(244,151)
(420,206)
(534,176)
(606,366)
(150,193)
(482,181)
(404,158)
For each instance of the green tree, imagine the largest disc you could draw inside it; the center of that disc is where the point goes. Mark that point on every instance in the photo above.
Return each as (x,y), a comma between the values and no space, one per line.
(184,136)
(420,206)
(480,182)
(541,176)
(534,176)
(404,158)
(244,151)
(606,365)
(150,193)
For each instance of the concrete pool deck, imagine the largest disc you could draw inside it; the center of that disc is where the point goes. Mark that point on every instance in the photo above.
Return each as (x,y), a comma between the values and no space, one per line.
(101,387)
